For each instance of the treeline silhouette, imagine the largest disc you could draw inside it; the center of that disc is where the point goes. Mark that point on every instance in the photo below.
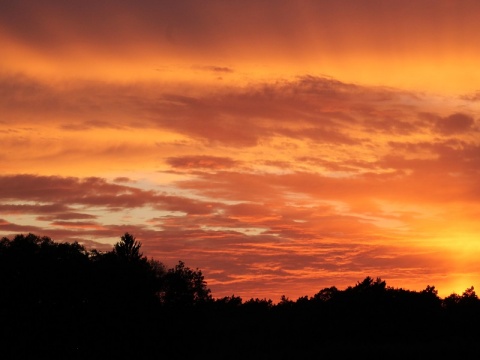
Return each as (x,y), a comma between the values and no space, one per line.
(60,300)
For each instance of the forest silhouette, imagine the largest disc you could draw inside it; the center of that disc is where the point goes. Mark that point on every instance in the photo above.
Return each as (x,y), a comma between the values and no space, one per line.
(60,300)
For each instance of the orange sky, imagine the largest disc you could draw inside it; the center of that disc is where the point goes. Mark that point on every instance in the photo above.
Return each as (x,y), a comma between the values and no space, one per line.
(280,146)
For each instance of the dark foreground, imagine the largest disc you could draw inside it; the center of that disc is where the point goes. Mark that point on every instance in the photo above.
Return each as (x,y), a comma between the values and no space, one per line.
(236,334)
(60,301)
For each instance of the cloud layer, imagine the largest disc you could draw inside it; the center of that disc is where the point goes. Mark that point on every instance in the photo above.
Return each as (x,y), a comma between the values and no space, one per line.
(277,159)
(276,187)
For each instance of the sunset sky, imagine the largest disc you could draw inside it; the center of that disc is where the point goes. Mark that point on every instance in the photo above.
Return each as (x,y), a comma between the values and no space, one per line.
(279,146)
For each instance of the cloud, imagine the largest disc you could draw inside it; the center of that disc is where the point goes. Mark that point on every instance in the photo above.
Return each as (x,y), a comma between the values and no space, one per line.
(439,158)
(215,69)
(202,162)
(386,44)
(78,225)
(210,25)
(290,183)
(455,123)
(475,96)
(66,216)
(122,179)
(87,191)
(257,227)
(6,226)
(321,110)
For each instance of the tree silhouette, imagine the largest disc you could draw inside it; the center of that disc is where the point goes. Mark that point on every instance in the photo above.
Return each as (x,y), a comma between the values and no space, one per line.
(326,294)
(59,300)
(469,295)
(128,248)
(36,271)
(183,286)
(369,285)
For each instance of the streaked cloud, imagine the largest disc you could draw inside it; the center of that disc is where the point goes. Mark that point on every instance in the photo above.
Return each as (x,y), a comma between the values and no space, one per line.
(455,123)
